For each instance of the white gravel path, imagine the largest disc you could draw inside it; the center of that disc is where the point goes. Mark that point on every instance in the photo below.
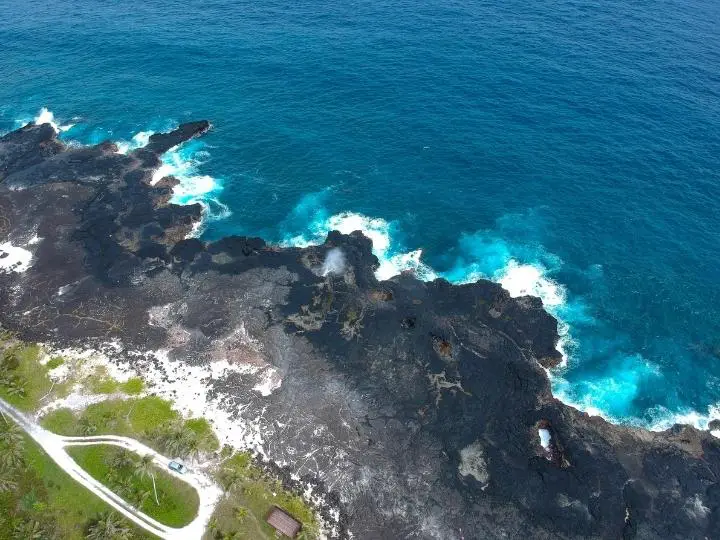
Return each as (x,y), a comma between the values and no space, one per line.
(54,445)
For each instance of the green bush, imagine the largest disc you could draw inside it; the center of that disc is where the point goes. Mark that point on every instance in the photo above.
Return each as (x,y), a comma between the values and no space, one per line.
(60,421)
(133,386)
(24,381)
(55,363)
(250,493)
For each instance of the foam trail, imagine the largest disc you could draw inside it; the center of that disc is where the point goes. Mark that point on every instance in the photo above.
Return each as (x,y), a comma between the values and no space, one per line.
(46,116)
(183,163)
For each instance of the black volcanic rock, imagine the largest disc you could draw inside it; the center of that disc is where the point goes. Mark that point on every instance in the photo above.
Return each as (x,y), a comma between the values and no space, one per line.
(160,143)
(415,406)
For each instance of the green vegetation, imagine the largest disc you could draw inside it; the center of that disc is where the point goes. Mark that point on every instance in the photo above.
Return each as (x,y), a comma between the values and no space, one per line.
(39,501)
(249,495)
(132,386)
(60,421)
(101,383)
(107,526)
(55,363)
(24,380)
(150,419)
(144,485)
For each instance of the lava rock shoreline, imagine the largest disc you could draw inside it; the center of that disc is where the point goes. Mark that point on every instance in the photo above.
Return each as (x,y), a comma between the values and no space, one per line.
(417,406)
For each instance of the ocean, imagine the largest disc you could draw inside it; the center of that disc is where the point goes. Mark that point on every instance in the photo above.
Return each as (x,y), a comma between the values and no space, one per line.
(566,149)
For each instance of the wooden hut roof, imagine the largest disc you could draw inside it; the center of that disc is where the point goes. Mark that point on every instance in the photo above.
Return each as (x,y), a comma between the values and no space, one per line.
(283,522)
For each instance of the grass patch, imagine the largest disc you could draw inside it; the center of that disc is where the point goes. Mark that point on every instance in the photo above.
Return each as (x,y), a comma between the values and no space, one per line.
(24,381)
(55,363)
(47,498)
(250,493)
(132,386)
(149,419)
(204,432)
(60,421)
(131,417)
(100,382)
(115,467)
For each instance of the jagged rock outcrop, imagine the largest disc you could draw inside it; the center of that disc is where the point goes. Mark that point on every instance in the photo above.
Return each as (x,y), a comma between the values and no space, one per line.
(417,405)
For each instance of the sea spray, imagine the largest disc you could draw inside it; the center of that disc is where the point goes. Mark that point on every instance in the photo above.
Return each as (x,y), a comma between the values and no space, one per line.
(522,270)
(183,163)
(45,116)
(334,262)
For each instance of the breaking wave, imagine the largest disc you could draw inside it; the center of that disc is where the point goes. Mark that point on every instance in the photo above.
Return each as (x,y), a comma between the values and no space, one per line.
(138,140)
(522,270)
(46,116)
(183,162)
(602,373)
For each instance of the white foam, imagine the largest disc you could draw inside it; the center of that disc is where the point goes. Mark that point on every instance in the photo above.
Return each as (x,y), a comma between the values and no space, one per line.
(376,229)
(14,258)
(664,419)
(138,140)
(379,231)
(270,382)
(164,170)
(404,262)
(46,116)
(182,162)
(530,280)
(545,438)
(194,186)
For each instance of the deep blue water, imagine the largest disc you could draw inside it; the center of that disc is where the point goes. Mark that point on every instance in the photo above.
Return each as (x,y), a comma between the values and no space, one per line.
(567,148)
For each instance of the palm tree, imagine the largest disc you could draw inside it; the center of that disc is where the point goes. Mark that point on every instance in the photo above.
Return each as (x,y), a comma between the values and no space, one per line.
(29,530)
(144,468)
(12,445)
(109,527)
(121,460)
(141,497)
(213,526)
(177,440)
(16,387)
(230,478)
(241,513)
(124,487)
(7,482)
(193,447)
(87,428)
(11,434)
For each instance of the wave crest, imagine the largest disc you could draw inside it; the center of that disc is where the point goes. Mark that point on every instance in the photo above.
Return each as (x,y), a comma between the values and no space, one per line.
(45,116)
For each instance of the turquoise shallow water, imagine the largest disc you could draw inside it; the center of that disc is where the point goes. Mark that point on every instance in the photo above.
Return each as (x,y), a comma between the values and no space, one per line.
(567,149)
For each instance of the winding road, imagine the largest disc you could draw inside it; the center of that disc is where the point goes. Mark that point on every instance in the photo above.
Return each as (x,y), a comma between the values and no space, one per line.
(54,446)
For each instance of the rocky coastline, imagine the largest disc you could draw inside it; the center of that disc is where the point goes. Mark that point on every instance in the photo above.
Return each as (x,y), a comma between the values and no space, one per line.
(422,409)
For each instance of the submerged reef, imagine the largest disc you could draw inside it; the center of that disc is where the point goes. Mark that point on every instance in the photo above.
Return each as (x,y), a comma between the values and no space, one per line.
(423,410)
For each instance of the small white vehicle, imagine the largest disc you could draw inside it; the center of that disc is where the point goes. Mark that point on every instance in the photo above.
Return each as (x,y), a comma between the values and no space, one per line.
(177,466)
